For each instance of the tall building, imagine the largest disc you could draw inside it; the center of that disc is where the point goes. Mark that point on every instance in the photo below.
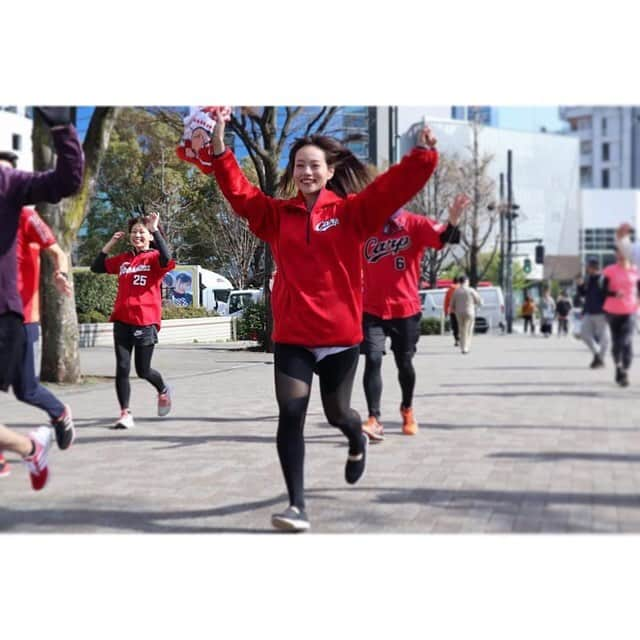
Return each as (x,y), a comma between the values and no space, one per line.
(484,115)
(545,183)
(15,134)
(609,145)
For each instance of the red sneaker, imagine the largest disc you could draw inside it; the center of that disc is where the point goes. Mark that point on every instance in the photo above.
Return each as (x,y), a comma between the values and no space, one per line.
(37,462)
(409,424)
(5,467)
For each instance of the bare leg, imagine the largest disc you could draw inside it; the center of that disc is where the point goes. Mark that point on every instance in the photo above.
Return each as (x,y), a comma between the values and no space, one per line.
(13,441)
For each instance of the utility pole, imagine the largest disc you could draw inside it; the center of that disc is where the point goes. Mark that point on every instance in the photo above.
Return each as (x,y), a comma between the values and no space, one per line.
(509,273)
(501,214)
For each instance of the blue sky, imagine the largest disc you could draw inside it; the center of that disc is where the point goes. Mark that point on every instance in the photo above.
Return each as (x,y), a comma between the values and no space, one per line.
(530,118)
(520,118)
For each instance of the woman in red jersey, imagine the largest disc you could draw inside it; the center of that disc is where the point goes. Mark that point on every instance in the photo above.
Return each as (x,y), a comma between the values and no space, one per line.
(137,311)
(316,238)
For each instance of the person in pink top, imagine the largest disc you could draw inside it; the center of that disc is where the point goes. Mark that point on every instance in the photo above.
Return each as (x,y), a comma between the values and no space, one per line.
(620,284)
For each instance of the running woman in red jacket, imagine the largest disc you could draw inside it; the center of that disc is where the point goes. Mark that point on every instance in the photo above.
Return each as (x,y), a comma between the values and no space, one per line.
(316,238)
(392,265)
(137,312)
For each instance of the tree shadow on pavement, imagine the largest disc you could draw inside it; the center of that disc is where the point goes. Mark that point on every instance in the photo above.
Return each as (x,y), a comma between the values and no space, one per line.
(532,427)
(554,456)
(526,506)
(517,394)
(128,521)
(523,368)
(177,441)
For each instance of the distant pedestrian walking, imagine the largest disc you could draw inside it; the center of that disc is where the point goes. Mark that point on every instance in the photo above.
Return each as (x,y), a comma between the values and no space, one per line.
(463,303)
(620,287)
(453,321)
(547,313)
(563,308)
(595,329)
(527,311)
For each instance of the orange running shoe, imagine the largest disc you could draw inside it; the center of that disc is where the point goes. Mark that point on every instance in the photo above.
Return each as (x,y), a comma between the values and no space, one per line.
(409,424)
(373,429)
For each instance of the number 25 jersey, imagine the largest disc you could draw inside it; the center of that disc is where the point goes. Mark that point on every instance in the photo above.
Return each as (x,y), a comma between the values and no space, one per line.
(139,300)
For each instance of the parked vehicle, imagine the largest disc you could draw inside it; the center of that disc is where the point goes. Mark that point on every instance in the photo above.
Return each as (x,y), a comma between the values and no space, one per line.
(490,315)
(240,299)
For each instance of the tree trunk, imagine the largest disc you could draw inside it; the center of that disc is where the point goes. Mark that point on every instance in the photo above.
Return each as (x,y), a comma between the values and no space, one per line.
(60,355)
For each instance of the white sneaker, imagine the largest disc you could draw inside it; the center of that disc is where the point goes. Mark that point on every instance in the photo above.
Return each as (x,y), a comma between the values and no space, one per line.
(164,402)
(37,462)
(125,421)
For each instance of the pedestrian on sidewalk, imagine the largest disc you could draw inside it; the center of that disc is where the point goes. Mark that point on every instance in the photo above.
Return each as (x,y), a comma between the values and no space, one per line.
(446,307)
(392,264)
(547,312)
(620,283)
(527,311)
(34,236)
(464,302)
(137,311)
(317,239)
(18,189)
(563,309)
(595,329)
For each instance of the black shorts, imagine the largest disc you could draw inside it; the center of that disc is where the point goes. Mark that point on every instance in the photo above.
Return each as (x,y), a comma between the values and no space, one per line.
(11,347)
(130,335)
(404,333)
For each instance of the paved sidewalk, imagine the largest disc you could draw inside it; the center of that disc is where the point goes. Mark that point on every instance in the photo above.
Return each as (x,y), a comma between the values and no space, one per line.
(518,436)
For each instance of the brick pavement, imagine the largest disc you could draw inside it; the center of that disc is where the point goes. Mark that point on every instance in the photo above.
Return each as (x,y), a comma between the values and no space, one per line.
(517,436)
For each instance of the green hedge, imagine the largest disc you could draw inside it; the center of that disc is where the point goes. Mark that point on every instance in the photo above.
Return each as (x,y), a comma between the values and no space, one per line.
(252,325)
(429,326)
(95,294)
(176,313)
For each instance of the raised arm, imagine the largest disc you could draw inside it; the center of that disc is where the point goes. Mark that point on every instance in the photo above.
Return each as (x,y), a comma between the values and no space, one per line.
(99,264)
(370,208)
(247,200)
(66,178)
(158,239)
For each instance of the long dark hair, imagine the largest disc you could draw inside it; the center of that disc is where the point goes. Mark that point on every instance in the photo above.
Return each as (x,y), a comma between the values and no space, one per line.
(142,219)
(350,175)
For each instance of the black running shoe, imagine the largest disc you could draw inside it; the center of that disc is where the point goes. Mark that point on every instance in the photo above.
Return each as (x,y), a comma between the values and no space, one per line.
(292,519)
(356,463)
(63,426)
(624,379)
(619,374)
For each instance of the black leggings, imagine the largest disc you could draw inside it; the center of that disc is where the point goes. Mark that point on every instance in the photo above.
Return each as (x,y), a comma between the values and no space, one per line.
(124,345)
(622,328)
(453,321)
(294,369)
(528,323)
(372,379)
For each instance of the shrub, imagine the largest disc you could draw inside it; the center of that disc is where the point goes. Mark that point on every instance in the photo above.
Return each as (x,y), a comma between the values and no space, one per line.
(91,317)
(429,326)
(253,323)
(171,312)
(94,292)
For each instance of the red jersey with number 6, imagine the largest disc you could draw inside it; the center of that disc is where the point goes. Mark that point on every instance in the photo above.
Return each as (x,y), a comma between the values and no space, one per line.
(139,300)
(392,261)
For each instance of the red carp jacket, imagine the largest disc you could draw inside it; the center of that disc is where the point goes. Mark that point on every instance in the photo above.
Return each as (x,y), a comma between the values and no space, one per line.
(317,296)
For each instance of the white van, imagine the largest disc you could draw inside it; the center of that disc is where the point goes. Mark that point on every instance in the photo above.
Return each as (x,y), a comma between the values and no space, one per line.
(490,315)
